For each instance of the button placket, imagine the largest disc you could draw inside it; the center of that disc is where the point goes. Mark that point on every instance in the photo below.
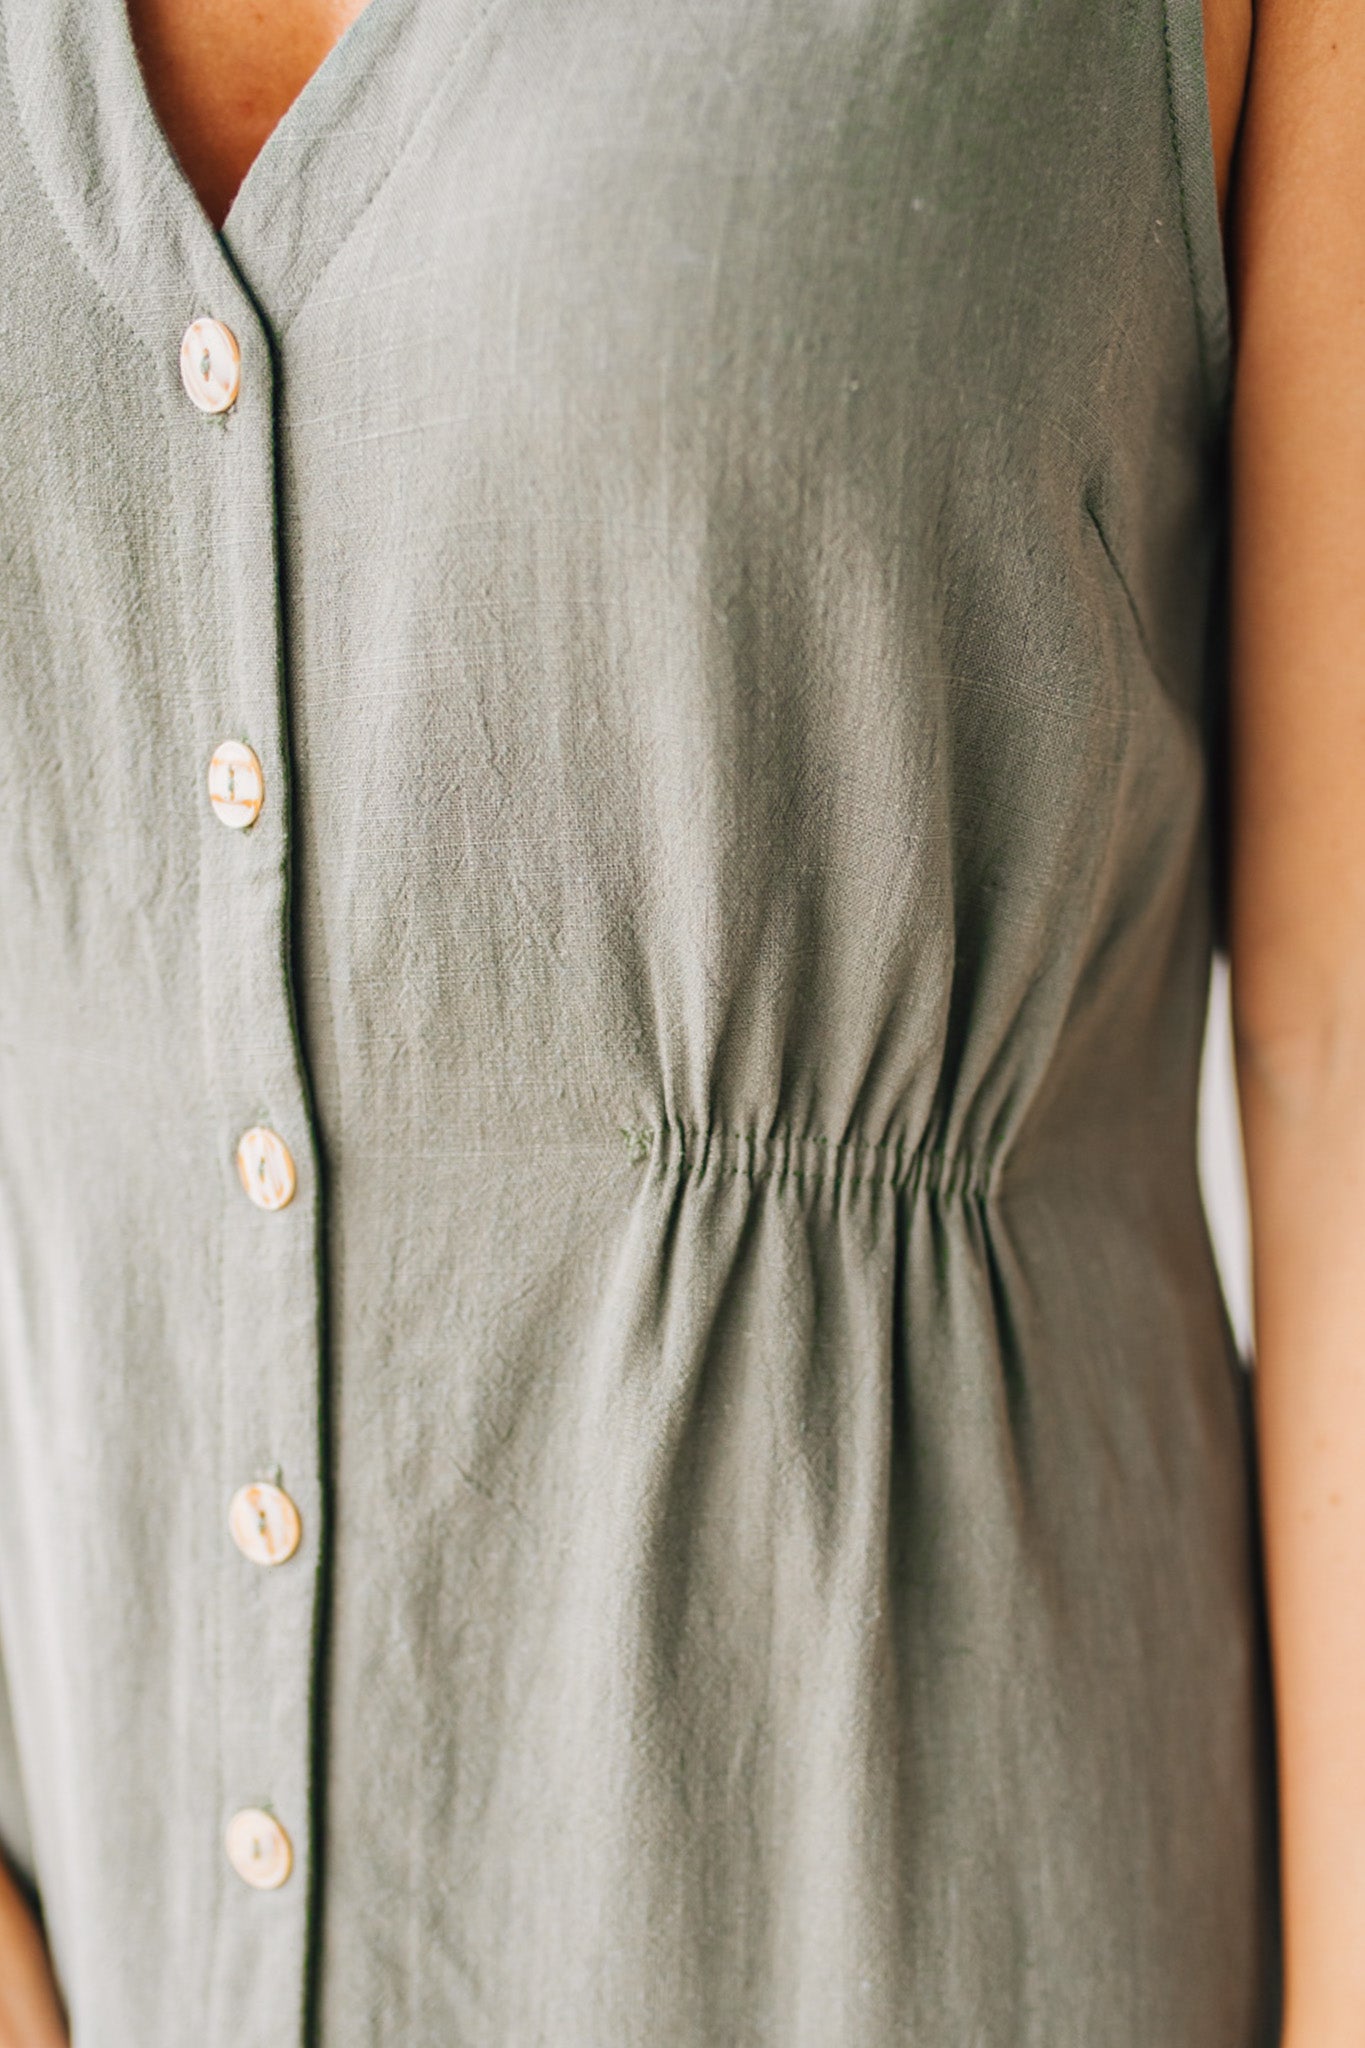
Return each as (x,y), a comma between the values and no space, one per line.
(269,1378)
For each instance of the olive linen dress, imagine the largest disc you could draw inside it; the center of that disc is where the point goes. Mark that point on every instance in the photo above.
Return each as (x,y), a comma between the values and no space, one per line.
(617,1428)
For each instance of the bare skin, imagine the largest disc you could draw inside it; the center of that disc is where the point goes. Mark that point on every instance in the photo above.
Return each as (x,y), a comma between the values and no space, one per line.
(1301,978)
(31,2014)
(1298,963)
(219,94)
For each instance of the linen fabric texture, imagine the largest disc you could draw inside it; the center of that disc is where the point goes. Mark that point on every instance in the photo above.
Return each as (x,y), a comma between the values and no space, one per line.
(717,551)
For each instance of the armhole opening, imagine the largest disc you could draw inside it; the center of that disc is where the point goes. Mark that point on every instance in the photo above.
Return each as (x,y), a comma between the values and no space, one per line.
(1191,117)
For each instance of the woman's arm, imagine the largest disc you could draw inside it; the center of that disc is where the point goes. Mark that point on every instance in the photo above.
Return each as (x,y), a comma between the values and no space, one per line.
(30,2016)
(1298,942)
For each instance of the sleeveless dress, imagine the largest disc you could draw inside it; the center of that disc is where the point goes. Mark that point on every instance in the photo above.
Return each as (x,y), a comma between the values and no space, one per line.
(617,1427)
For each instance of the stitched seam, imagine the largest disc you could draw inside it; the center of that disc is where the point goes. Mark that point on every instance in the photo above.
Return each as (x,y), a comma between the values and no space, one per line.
(320,1607)
(1124,586)
(21,130)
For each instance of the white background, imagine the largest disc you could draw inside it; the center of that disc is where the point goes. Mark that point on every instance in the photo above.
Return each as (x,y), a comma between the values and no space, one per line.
(1220,1160)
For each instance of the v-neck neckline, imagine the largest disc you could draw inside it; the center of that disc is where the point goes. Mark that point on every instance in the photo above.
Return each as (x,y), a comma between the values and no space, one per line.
(336,75)
(223,227)
(128,208)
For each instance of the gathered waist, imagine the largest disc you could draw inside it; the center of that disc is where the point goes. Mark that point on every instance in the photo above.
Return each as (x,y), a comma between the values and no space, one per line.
(1120,1154)
(671,1147)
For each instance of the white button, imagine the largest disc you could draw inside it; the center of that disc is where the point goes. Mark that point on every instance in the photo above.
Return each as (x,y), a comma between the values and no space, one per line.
(258,1849)
(210,364)
(236,784)
(266,1168)
(264,1523)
